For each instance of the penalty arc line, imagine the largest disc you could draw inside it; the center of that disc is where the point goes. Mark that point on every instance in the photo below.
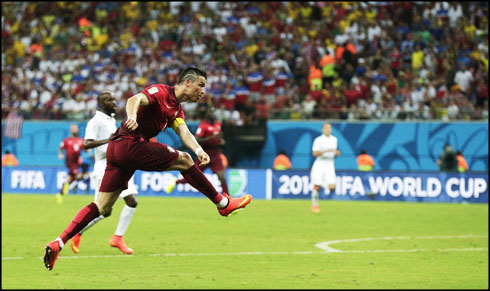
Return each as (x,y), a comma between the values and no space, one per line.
(326,245)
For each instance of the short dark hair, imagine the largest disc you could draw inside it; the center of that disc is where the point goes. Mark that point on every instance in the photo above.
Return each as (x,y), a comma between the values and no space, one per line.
(191,73)
(101,96)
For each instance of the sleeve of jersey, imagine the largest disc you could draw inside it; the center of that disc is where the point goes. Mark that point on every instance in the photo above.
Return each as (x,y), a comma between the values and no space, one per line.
(91,130)
(316,145)
(152,92)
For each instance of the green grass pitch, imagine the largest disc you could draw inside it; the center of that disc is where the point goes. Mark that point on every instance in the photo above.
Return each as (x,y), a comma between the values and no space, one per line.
(183,243)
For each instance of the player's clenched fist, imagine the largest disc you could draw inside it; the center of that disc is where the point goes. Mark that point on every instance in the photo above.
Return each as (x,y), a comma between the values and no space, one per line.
(131,124)
(203,158)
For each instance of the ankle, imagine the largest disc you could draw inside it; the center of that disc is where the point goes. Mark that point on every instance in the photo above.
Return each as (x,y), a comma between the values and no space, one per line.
(223,202)
(60,241)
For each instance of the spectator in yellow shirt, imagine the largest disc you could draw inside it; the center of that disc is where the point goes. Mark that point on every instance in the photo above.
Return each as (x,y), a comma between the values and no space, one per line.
(417,57)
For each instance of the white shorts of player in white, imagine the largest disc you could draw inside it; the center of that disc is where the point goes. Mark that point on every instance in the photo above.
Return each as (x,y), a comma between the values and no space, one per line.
(323,173)
(131,187)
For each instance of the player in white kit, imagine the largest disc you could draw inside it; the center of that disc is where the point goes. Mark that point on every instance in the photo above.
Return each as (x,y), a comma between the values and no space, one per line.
(99,130)
(323,171)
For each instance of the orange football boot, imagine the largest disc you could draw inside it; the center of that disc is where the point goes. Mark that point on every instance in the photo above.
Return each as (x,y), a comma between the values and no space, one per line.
(52,253)
(234,204)
(75,243)
(118,242)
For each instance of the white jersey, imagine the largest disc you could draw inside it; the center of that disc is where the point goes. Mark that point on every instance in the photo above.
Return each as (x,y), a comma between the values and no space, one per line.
(323,169)
(100,127)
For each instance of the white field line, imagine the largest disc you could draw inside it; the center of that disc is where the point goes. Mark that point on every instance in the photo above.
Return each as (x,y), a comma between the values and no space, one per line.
(326,245)
(326,249)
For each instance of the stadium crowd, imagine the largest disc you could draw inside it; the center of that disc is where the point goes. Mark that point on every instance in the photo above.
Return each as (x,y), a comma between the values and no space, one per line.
(271,60)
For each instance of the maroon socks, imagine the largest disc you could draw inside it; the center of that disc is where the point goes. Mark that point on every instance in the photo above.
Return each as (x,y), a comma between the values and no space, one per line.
(84,216)
(198,180)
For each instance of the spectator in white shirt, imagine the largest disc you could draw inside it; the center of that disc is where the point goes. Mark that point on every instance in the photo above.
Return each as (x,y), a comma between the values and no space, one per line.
(452,110)
(370,107)
(455,12)
(410,108)
(463,78)
(309,107)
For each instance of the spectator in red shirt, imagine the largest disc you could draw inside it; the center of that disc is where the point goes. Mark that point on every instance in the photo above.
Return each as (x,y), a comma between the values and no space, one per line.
(352,95)
(254,80)
(269,87)
(395,60)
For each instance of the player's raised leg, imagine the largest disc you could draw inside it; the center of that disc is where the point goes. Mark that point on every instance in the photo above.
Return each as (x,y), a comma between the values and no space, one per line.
(194,176)
(174,181)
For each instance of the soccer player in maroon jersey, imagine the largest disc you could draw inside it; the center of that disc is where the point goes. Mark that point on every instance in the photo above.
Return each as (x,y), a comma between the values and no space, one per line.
(129,149)
(209,135)
(72,145)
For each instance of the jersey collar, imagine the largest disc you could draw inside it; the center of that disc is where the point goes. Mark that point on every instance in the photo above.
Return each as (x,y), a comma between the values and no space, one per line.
(103,115)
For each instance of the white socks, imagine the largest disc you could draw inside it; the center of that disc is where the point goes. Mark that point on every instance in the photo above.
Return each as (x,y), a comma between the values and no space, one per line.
(314,197)
(124,220)
(61,242)
(94,221)
(223,203)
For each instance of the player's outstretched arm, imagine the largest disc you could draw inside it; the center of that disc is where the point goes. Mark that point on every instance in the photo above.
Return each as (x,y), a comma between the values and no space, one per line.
(132,107)
(318,153)
(90,143)
(191,143)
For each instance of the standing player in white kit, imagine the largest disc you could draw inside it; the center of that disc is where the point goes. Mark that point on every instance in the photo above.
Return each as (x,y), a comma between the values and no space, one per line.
(323,171)
(99,130)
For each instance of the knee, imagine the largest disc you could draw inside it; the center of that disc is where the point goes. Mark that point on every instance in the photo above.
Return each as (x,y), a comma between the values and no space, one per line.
(107,214)
(186,159)
(132,204)
(131,201)
(105,210)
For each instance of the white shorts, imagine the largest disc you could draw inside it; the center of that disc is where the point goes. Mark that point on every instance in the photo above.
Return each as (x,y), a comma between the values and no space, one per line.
(323,173)
(132,190)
